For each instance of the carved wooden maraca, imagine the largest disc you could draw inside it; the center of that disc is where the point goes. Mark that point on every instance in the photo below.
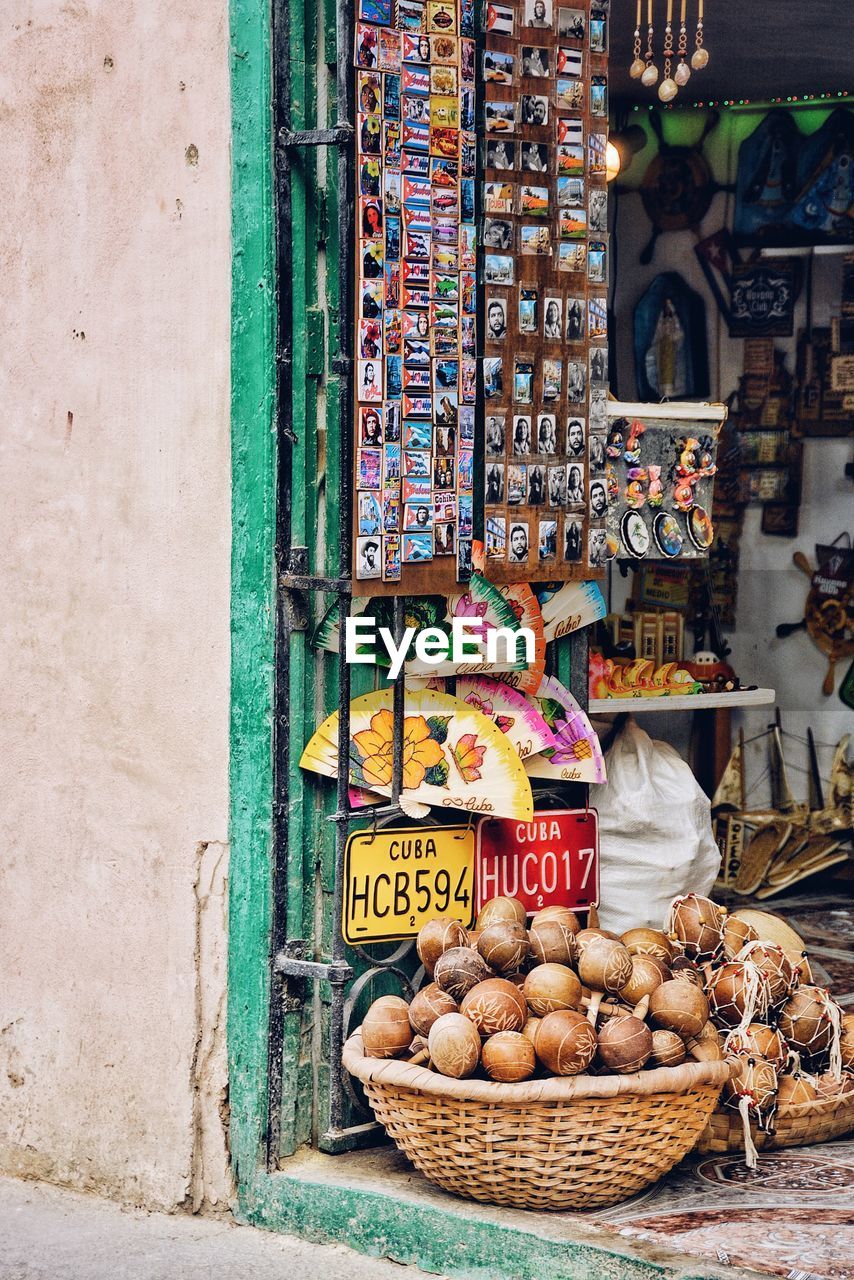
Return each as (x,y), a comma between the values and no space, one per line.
(550,987)
(647,974)
(625,1044)
(649,942)
(508,1057)
(680,1007)
(454,1045)
(386,1032)
(495,1005)
(668,1049)
(604,965)
(566,1042)
(562,914)
(828,1086)
(552,941)
(438,936)
(504,945)
(846,1042)
(460,969)
(738,993)
(427,1005)
(499,909)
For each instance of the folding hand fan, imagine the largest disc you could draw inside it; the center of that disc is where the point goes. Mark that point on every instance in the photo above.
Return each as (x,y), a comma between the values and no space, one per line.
(577,756)
(482,604)
(517,718)
(453,756)
(569,606)
(527,611)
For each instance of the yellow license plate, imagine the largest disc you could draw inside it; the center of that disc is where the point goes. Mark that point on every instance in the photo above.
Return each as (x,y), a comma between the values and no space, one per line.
(395,881)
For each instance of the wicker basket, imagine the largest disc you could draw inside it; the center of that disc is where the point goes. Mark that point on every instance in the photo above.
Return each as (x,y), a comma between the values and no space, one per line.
(581,1142)
(801,1125)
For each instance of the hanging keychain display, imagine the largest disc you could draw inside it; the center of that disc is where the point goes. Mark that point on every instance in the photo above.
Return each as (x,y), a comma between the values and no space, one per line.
(644,67)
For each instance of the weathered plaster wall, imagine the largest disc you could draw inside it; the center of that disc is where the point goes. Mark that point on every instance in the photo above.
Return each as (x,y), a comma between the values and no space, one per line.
(114,573)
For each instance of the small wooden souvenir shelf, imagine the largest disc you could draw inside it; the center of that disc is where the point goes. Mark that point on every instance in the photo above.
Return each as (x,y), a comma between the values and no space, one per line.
(685,702)
(711,730)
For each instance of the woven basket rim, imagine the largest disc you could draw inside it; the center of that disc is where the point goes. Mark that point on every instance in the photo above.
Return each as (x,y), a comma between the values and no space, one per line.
(403,1075)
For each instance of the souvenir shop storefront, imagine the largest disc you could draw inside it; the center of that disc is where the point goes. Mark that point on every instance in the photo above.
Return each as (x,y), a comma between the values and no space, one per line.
(540,916)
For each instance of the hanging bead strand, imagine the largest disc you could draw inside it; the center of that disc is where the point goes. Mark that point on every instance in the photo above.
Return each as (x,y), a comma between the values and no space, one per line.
(637,68)
(683,71)
(650,73)
(700,56)
(668,88)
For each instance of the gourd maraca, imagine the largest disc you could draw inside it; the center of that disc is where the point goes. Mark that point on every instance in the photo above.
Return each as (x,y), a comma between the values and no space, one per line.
(648,942)
(697,923)
(647,974)
(778,969)
(563,914)
(680,1007)
(501,909)
(552,941)
(736,934)
(530,1029)
(504,945)
(668,1049)
(752,1091)
(508,1057)
(827,1085)
(738,993)
(759,1040)
(495,1005)
(386,1032)
(625,1044)
(795,1089)
(460,969)
(436,937)
(846,1041)
(454,1045)
(550,987)
(566,1042)
(809,1020)
(427,1005)
(604,965)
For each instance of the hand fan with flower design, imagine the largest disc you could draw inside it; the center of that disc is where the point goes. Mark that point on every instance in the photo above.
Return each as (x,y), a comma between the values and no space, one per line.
(514,715)
(453,756)
(577,755)
(569,606)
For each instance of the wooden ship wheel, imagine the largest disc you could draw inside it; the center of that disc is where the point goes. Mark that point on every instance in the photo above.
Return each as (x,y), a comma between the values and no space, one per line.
(678,187)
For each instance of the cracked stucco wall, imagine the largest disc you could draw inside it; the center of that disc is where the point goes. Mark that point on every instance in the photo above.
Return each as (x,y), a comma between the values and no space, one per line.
(114,577)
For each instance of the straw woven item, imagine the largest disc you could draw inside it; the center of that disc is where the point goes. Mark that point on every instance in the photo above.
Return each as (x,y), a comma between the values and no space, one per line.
(580,1142)
(801,1125)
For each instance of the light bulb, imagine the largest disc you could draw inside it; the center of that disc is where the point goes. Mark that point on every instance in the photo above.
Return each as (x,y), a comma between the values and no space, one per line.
(612,162)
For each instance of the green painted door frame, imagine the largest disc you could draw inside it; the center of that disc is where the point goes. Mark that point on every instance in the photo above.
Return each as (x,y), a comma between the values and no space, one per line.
(455,1241)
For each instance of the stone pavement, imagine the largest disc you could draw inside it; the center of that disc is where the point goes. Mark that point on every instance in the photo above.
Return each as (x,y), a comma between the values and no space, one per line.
(50,1234)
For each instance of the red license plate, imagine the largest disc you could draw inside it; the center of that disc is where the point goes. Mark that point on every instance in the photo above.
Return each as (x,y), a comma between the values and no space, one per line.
(551,861)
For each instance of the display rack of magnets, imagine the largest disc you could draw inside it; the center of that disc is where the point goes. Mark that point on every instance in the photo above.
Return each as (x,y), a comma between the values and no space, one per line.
(416,359)
(544,256)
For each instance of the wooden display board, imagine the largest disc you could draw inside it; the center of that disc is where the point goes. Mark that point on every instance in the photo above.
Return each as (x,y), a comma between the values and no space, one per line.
(432,177)
(544,282)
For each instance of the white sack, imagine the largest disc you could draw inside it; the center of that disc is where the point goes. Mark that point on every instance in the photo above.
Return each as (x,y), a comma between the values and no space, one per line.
(655,832)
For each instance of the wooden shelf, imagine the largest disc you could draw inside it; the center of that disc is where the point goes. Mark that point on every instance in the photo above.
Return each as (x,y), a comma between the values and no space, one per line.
(689,702)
